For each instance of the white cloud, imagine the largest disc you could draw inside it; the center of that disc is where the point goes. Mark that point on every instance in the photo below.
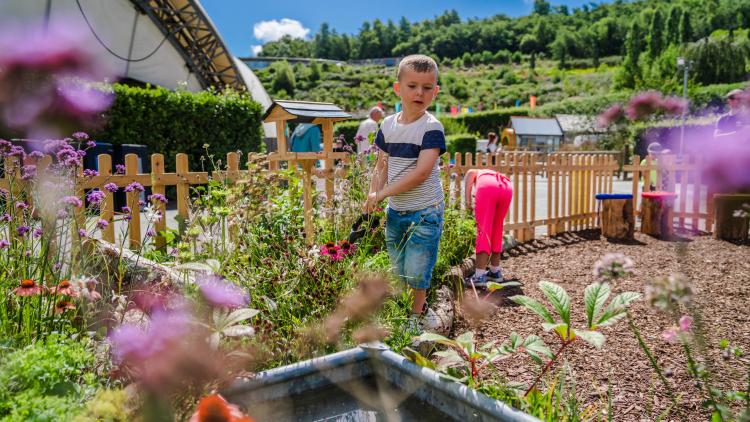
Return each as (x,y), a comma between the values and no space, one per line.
(273,30)
(256,49)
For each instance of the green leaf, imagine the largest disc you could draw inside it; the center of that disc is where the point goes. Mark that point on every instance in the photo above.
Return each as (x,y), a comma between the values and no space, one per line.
(595,295)
(239,331)
(466,340)
(593,338)
(616,309)
(437,338)
(534,346)
(492,285)
(417,358)
(449,359)
(558,297)
(535,306)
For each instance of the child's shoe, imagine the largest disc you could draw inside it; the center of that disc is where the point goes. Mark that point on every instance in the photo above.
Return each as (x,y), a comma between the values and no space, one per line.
(478,281)
(495,276)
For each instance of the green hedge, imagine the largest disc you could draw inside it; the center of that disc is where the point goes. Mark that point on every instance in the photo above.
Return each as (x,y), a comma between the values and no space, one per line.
(348,129)
(488,121)
(462,143)
(170,122)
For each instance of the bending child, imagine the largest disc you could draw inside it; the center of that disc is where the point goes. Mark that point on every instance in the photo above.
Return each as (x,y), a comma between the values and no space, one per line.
(492,193)
(410,143)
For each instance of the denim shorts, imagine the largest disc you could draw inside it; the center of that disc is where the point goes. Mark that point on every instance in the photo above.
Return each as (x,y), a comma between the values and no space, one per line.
(412,238)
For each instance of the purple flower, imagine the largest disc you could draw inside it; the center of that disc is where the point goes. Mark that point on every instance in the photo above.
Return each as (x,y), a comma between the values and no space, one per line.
(16,151)
(359,138)
(62,213)
(151,233)
(37,233)
(135,345)
(141,202)
(95,196)
(111,187)
(72,200)
(36,154)
(220,293)
(90,144)
(82,233)
(4,243)
(134,186)
(157,197)
(90,173)
(80,136)
(643,105)
(613,266)
(101,224)
(674,105)
(119,169)
(126,209)
(22,230)
(79,99)
(21,205)
(5,217)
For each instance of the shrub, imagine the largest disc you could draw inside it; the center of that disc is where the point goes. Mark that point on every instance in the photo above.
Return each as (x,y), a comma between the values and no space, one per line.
(170,122)
(488,121)
(348,129)
(462,143)
(54,367)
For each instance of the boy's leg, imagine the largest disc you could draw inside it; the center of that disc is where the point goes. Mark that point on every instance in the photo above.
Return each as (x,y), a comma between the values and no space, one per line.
(421,253)
(395,234)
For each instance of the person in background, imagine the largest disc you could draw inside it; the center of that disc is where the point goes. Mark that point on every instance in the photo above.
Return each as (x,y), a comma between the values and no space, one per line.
(306,137)
(488,195)
(654,150)
(736,119)
(368,126)
(492,142)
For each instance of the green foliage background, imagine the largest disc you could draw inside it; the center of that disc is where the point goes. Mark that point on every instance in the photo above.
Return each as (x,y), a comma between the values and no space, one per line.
(170,122)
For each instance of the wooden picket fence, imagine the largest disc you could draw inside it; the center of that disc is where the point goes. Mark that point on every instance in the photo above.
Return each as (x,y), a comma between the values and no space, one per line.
(694,201)
(571,180)
(158,180)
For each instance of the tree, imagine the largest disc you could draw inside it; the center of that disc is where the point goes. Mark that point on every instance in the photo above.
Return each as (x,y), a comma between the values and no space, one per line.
(656,34)
(630,72)
(686,31)
(287,47)
(404,30)
(562,47)
(717,60)
(530,45)
(672,27)
(542,7)
(283,78)
(322,43)
(543,35)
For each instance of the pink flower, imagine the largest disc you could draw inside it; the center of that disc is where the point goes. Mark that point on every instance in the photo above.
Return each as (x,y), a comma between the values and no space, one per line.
(119,169)
(670,334)
(101,224)
(333,251)
(643,105)
(221,293)
(686,322)
(72,200)
(612,114)
(95,196)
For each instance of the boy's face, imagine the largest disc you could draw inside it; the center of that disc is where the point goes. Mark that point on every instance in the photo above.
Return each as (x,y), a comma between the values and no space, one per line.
(416,89)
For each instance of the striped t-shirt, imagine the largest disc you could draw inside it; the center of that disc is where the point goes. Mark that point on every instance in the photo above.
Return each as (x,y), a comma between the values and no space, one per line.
(403,143)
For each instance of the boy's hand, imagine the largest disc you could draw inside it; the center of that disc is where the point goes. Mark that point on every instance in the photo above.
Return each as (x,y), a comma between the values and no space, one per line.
(371,203)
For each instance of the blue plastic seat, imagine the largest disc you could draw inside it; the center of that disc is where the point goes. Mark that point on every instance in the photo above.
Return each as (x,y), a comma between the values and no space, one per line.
(602,196)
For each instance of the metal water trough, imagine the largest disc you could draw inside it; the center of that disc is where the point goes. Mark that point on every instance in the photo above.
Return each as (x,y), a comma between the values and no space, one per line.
(367,383)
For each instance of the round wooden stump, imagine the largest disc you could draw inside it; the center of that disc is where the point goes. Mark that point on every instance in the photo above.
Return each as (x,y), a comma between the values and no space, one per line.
(657,213)
(726,225)
(616,218)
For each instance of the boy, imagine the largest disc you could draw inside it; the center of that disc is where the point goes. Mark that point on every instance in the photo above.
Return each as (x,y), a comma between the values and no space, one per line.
(410,143)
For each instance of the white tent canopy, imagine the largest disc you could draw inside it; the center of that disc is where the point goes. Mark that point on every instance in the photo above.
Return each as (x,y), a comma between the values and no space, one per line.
(129,40)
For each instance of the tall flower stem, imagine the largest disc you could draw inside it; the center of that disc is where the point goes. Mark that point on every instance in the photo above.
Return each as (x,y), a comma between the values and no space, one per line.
(651,359)
(548,366)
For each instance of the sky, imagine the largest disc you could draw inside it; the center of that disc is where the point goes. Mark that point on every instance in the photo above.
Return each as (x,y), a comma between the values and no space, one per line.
(245,25)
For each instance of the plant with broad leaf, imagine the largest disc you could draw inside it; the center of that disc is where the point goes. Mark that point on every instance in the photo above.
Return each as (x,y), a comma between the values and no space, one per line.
(228,323)
(469,360)
(598,315)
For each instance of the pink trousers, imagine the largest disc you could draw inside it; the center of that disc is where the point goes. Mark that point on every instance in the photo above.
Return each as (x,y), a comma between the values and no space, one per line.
(493,195)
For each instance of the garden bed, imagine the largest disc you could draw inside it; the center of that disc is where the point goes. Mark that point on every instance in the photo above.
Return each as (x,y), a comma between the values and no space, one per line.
(719,272)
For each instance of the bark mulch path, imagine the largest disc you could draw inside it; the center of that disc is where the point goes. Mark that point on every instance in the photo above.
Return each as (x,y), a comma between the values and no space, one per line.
(720,272)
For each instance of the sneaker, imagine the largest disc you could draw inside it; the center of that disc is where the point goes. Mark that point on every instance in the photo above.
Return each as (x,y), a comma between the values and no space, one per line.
(495,276)
(477,281)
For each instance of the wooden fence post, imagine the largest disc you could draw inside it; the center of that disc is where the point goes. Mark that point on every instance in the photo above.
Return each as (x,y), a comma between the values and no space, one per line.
(183,190)
(157,187)
(134,232)
(107,210)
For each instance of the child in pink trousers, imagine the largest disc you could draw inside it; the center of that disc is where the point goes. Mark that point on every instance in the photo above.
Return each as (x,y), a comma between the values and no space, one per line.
(488,194)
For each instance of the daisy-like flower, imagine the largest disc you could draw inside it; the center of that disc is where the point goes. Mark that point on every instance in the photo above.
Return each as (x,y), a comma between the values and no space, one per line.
(29,287)
(64,288)
(332,250)
(346,247)
(62,306)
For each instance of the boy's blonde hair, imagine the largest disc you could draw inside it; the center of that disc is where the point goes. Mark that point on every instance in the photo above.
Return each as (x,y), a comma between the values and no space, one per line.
(418,63)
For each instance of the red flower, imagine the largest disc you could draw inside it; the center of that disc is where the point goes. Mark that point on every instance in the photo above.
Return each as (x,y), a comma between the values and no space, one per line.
(332,250)
(63,306)
(28,288)
(215,408)
(346,247)
(64,288)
